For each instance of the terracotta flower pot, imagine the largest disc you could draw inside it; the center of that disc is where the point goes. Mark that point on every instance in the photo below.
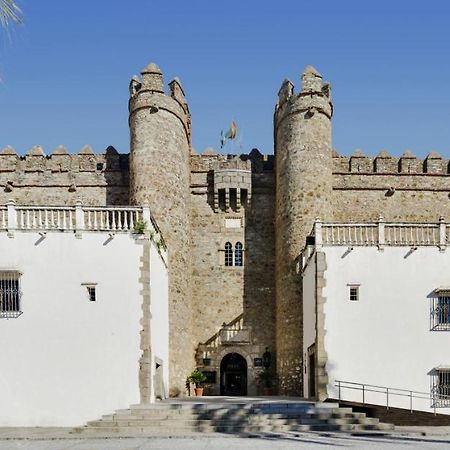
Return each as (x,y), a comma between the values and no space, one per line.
(198,392)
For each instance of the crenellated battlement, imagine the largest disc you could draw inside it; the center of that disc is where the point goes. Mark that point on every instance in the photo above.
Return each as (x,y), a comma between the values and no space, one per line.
(314,97)
(99,179)
(384,163)
(60,160)
(211,160)
(148,93)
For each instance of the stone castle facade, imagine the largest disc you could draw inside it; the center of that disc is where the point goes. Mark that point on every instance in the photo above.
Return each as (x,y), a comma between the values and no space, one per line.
(206,202)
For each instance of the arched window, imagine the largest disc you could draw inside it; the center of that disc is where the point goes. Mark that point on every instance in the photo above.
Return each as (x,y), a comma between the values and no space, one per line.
(228,254)
(238,254)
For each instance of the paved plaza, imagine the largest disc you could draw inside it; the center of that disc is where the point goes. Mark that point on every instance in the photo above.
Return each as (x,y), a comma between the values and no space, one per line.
(272,442)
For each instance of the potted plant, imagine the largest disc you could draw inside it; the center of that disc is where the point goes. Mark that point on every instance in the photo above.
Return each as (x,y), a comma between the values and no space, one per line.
(197,378)
(140,226)
(267,380)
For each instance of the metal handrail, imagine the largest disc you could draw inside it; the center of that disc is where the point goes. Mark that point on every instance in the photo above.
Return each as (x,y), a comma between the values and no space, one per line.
(433,395)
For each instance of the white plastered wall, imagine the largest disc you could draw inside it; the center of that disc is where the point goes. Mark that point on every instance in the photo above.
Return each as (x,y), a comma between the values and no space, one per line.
(384,338)
(67,360)
(309,316)
(159,321)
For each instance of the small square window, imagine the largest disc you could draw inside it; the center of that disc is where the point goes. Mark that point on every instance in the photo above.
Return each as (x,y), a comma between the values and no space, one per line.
(353,292)
(91,293)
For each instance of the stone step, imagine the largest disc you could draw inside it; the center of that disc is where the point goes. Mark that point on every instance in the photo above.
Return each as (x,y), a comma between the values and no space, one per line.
(260,421)
(228,428)
(188,419)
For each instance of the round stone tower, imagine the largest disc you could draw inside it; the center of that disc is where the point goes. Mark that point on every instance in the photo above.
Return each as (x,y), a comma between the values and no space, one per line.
(303,155)
(159,175)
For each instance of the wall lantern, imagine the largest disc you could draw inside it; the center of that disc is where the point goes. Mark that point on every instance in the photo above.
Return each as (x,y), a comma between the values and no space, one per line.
(267,358)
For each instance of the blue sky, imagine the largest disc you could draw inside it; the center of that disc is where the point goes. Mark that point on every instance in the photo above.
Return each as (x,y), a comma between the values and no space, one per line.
(65,72)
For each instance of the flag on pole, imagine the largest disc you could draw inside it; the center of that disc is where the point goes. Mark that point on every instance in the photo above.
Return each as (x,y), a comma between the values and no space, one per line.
(230,134)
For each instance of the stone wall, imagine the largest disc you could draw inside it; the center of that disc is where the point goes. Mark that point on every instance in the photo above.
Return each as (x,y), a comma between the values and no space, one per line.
(399,189)
(159,175)
(62,178)
(220,293)
(303,191)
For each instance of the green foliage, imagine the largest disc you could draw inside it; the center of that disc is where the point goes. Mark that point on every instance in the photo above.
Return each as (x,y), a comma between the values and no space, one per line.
(140,227)
(267,378)
(9,12)
(196,377)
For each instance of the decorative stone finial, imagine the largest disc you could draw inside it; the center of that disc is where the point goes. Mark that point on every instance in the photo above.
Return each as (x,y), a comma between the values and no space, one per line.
(60,150)
(86,150)
(152,78)
(310,70)
(135,85)
(36,150)
(285,92)
(358,153)
(408,155)
(433,155)
(311,80)
(151,68)
(8,150)
(383,154)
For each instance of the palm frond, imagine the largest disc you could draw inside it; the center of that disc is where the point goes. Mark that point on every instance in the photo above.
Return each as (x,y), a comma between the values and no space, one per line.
(9,12)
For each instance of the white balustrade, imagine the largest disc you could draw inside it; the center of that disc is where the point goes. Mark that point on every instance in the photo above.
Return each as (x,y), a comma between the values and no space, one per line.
(3,218)
(112,219)
(382,233)
(40,218)
(412,234)
(76,218)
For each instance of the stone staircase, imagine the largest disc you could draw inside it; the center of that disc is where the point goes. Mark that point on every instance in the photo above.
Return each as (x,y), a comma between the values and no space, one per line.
(181,419)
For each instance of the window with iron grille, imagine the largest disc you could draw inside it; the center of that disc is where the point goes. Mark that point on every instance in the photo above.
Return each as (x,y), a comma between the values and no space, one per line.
(440,391)
(238,254)
(10,294)
(353,292)
(440,311)
(91,293)
(228,254)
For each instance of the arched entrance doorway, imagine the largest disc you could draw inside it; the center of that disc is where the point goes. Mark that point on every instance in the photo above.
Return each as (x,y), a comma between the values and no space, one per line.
(233,375)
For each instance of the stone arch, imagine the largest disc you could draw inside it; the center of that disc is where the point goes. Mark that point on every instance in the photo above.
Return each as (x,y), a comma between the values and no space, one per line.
(248,354)
(233,375)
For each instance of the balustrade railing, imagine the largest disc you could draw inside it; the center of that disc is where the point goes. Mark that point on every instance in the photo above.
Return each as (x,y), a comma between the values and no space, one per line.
(3,218)
(41,218)
(229,333)
(77,218)
(412,234)
(382,233)
(112,219)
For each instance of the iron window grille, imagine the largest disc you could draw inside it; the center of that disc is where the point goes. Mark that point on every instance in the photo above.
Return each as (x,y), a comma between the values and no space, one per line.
(228,254)
(353,292)
(440,390)
(10,294)
(234,256)
(91,293)
(238,261)
(440,311)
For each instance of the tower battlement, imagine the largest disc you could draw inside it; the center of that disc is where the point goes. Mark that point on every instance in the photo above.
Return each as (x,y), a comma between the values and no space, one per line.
(148,93)
(314,97)
(384,163)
